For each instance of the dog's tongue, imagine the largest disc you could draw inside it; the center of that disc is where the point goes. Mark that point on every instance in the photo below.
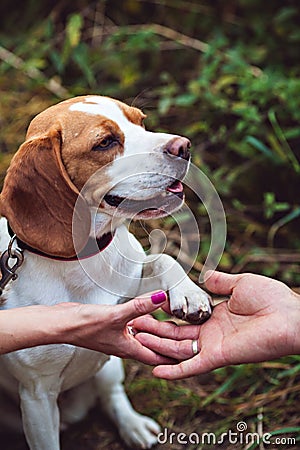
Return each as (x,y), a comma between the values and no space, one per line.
(175,187)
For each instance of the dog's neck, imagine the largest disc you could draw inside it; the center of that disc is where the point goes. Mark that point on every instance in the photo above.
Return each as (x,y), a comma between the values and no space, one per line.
(93,246)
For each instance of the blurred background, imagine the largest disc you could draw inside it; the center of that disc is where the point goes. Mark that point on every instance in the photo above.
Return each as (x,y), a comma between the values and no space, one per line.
(225,73)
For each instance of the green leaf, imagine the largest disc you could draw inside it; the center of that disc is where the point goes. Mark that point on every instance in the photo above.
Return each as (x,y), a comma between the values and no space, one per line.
(185,100)
(73,29)
(280,223)
(258,145)
(80,56)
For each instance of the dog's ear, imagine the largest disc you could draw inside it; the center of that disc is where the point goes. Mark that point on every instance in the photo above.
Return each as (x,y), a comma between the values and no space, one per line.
(38,198)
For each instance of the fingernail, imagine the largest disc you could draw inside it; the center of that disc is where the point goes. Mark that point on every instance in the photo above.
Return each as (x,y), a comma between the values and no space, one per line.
(158,297)
(207,275)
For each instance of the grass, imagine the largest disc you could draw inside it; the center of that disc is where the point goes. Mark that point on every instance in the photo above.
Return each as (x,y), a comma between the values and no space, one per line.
(264,396)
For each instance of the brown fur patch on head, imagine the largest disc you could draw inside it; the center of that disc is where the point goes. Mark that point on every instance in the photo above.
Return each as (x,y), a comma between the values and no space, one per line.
(87,149)
(134,115)
(81,134)
(63,150)
(38,198)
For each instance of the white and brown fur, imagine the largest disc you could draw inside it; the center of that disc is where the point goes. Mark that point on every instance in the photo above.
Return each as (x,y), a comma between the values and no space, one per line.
(53,171)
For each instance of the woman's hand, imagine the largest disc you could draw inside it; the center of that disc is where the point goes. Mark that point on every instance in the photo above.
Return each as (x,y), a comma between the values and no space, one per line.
(97,327)
(107,328)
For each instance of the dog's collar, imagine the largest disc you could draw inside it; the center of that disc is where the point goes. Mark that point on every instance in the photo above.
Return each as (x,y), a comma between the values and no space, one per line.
(92,247)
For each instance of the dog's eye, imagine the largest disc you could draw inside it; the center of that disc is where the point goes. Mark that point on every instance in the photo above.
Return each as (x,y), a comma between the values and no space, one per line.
(105,144)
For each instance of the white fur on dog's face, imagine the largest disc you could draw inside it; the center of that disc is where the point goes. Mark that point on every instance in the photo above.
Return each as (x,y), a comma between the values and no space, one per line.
(141,172)
(84,157)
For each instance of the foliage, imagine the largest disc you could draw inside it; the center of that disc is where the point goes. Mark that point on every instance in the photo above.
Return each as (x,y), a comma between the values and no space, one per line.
(225,73)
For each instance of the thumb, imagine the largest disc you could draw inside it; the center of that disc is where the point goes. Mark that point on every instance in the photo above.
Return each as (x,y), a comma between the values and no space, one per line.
(221,283)
(143,304)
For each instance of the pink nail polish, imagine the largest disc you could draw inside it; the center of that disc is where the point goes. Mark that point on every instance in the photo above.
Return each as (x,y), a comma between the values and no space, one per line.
(158,297)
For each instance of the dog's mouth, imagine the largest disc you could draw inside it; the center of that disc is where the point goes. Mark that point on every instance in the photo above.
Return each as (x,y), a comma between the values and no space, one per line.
(161,204)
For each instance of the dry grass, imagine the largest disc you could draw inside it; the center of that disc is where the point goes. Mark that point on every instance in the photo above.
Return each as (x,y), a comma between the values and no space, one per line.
(209,403)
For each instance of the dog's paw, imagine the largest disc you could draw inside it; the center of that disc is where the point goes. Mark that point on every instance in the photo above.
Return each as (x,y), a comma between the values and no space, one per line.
(189,302)
(139,431)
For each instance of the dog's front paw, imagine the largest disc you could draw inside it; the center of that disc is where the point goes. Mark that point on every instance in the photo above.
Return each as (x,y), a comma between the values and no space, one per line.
(139,431)
(189,302)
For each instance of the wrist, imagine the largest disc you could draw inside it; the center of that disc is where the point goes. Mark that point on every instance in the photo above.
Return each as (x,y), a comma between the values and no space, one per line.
(67,321)
(75,323)
(51,324)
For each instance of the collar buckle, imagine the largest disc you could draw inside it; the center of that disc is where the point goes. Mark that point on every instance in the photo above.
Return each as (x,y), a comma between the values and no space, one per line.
(8,272)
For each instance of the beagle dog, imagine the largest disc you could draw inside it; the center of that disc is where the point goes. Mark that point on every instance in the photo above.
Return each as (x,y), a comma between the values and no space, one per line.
(87,165)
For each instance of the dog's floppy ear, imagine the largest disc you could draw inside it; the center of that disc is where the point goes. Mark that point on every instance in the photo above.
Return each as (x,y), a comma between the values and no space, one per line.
(38,198)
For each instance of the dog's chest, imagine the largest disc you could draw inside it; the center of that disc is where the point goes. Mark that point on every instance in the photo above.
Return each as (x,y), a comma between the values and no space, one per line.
(111,275)
(82,365)
(64,366)
(114,274)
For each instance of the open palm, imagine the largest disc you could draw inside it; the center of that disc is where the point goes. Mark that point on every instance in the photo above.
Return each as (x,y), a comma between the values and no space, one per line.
(258,322)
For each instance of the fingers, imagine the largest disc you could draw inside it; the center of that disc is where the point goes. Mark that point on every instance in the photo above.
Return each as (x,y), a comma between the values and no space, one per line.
(169,330)
(134,349)
(147,356)
(199,364)
(166,308)
(221,283)
(142,305)
(184,369)
(178,350)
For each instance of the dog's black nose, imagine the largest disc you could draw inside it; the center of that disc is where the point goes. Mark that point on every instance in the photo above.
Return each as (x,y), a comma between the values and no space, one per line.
(179,146)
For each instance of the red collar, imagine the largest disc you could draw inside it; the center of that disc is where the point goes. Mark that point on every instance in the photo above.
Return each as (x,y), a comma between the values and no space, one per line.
(92,247)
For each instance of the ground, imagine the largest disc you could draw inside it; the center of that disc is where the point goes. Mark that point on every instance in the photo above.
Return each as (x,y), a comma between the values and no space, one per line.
(213,403)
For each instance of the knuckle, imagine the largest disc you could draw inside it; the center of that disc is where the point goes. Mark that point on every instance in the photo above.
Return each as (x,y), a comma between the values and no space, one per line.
(140,306)
(177,332)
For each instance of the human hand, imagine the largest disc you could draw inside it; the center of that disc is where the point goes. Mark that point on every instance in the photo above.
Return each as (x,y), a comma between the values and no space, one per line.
(105,328)
(260,321)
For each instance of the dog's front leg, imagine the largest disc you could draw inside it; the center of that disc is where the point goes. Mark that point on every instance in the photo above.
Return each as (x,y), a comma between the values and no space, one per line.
(135,429)
(187,300)
(40,417)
